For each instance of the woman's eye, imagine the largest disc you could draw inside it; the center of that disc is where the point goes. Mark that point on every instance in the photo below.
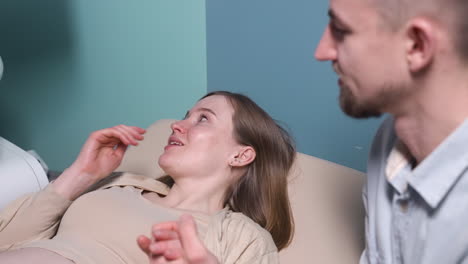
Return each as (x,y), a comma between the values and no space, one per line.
(202,118)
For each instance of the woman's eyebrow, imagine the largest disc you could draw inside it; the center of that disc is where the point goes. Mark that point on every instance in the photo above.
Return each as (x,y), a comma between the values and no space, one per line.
(203,109)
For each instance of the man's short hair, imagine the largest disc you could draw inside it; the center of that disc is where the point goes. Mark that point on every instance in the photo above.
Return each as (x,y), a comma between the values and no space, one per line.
(397,12)
(461,28)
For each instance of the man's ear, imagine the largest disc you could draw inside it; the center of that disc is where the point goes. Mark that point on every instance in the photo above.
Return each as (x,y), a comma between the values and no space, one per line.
(243,157)
(421,34)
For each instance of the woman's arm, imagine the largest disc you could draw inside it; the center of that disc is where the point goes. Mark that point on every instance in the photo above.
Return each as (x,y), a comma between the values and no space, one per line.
(101,154)
(31,217)
(37,216)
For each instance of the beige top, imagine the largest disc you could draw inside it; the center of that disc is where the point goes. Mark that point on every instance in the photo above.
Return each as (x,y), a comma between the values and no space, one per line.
(102,226)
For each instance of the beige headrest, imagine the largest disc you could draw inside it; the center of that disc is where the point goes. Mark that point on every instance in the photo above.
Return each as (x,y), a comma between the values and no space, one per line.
(143,159)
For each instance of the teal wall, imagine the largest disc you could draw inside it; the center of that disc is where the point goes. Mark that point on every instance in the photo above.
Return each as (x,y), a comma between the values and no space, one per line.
(72,67)
(265,48)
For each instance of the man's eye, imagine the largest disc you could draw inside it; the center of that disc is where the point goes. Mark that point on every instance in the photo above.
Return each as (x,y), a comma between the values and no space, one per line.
(337,32)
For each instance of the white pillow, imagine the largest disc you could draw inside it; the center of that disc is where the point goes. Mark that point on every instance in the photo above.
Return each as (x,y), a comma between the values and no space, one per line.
(20,173)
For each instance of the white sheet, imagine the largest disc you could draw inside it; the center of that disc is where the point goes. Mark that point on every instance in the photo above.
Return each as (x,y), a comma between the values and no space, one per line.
(20,173)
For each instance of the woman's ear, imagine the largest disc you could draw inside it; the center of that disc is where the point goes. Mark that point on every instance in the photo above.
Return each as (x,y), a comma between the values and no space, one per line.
(421,34)
(244,156)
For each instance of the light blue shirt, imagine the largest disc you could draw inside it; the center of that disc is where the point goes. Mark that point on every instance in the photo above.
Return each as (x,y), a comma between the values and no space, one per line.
(417,215)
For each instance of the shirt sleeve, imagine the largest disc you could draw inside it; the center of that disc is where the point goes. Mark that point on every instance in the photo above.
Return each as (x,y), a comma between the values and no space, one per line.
(31,217)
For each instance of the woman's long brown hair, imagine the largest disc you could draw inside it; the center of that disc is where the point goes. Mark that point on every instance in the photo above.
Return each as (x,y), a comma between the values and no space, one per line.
(262,193)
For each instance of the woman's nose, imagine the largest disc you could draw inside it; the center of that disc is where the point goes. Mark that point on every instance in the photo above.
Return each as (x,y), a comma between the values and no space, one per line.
(179,126)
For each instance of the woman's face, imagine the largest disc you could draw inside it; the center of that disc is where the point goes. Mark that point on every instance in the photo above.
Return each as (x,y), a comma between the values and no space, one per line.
(203,142)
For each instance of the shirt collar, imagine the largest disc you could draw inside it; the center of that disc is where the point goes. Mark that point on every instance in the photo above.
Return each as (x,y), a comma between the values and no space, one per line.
(434,177)
(398,167)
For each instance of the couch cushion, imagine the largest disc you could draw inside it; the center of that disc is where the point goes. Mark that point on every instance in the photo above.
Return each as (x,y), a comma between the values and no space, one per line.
(328,213)
(143,159)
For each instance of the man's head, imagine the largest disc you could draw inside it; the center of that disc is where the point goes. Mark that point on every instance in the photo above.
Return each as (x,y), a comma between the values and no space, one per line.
(381,48)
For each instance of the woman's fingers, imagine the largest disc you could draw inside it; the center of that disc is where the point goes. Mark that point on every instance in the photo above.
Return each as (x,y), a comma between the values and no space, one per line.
(169,226)
(132,134)
(119,134)
(189,236)
(163,234)
(144,244)
(137,132)
(176,242)
(193,248)
(170,249)
(166,241)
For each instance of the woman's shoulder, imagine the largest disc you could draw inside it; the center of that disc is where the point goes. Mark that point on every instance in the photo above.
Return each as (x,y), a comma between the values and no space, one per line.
(242,229)
(235,238)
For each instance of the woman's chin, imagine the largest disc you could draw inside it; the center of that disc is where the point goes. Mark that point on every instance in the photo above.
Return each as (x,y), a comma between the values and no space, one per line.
(166,164)
(163,163)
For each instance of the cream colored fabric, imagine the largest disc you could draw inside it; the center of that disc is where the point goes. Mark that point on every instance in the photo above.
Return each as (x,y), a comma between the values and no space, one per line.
(101,226)
(326,202)
(328,212)
(32,255)
(31,217)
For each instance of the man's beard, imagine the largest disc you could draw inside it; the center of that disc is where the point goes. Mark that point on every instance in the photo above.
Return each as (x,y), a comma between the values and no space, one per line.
(353,108)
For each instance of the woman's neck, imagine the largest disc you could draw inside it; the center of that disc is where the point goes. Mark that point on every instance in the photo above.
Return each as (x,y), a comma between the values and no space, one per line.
(196,194)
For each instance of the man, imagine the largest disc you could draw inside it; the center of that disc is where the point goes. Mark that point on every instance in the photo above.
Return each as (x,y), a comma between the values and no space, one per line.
(409,59)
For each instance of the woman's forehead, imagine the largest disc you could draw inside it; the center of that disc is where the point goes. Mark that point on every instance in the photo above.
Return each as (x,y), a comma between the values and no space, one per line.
(217,103)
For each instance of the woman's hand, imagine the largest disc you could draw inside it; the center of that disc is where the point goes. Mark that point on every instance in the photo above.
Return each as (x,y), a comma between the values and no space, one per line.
(100,155)
(176,243)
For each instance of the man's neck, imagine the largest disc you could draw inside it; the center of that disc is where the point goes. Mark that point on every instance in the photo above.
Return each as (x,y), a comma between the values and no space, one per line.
(421,136)
(432,117)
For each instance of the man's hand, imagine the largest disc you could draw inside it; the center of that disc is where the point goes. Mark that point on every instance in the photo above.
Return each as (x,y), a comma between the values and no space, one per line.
(176,243)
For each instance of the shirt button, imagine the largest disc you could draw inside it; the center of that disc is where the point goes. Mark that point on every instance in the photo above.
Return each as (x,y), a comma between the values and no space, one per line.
(404,205)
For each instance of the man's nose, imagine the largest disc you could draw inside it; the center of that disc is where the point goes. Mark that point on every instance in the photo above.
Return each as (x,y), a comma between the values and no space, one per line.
(326,49)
